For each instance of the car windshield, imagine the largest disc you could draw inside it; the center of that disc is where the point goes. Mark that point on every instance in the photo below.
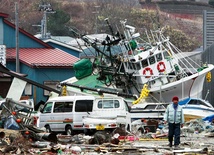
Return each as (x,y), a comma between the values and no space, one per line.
(47,108)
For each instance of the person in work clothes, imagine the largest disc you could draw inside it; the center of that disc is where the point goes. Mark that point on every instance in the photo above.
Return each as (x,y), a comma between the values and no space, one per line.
(175,118)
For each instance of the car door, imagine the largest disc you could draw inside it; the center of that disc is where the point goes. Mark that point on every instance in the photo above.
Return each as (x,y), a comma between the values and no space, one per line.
(62,113)
(82,108)
(45,114)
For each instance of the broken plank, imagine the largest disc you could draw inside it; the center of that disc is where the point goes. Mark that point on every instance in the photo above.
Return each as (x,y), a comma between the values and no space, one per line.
(189,150)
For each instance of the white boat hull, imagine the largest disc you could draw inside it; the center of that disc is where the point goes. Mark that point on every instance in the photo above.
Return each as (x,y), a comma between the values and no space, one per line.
(196,112)
(147,114)
(148,110)
(190,112)
(190,86)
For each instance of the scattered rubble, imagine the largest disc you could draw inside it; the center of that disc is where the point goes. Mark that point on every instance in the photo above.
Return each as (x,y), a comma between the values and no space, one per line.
(147,137)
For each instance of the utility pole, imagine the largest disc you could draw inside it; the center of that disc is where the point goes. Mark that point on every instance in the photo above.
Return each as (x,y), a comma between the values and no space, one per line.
(46,8)
(96,14)
(17,38)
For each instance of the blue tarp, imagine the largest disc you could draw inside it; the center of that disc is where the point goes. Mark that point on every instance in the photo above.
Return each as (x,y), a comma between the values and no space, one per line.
(209,118)
(10,123)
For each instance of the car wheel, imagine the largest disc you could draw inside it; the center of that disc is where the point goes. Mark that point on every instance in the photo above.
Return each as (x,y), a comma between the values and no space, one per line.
(128,128)
(48,129)
(141,130)
(69,130)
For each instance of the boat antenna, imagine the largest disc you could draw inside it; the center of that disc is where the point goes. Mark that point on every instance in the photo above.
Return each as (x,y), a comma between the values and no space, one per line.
(77,34)
(110,27)
(208,91)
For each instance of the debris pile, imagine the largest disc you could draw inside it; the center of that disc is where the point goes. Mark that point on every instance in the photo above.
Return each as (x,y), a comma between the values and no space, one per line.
(147,137)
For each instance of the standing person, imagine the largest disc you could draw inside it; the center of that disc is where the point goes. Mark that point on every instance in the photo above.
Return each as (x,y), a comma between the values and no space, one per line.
(175,118)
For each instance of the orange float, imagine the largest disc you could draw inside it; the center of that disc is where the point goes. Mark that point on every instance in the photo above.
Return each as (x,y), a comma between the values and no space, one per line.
(161,66)
(18,120)
(150,72)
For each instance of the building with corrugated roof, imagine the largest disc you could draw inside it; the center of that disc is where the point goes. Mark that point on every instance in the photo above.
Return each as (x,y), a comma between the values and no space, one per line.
(40,61)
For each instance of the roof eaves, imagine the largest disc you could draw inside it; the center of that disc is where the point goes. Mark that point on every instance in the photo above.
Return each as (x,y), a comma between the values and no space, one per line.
(50,66)
(13,59)
(62,44)
(4,15)
(43,65)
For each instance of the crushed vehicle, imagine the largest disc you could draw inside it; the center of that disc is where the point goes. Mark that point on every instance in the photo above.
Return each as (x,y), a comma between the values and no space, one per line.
(108,113)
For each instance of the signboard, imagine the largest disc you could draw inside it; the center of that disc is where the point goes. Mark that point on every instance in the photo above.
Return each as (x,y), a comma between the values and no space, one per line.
(16,89)
(3,55)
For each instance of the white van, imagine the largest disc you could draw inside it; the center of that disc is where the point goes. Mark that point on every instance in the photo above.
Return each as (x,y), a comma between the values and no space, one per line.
(65,113)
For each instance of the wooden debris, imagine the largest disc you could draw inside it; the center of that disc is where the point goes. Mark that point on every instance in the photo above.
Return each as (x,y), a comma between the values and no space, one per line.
(190,151)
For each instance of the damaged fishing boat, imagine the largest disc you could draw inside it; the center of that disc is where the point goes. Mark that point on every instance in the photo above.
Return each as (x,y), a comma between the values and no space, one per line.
(195,108)
(123,63)
(148,110)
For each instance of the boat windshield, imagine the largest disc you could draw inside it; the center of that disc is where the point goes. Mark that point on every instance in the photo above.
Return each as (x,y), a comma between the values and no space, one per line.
(160,107)
(197,102)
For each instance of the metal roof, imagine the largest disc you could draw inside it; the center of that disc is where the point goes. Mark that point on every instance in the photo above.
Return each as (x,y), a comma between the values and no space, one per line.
(42,57)
(62,44)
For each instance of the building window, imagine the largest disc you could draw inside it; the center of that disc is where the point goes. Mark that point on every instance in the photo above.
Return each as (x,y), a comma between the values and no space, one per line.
(51,84)
(28,89)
